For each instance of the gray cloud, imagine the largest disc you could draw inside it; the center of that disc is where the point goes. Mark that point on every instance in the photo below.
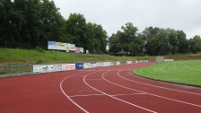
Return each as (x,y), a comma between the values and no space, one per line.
(112,14)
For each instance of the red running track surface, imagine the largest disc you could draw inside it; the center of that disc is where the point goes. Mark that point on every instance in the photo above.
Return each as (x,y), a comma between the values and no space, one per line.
(100,90)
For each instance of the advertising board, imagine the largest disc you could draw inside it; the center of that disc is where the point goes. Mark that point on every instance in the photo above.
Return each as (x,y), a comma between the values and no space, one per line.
(67,67)
(79,66)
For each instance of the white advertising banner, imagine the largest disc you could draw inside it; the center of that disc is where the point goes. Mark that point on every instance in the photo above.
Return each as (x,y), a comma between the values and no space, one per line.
(66,67)
(39,68)
(72,47)
(118,63)
(81,50)
(43,68)
(57,67)
(50,68)
(99,64)
(87,65)
(129,62)
(168,60)
(93,65)
(107,64)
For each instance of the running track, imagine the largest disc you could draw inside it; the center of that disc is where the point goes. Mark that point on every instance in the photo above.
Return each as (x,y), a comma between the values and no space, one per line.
(99,90)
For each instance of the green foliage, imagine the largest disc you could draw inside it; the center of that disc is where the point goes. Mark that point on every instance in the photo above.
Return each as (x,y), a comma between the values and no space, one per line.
(185,72)
(40,61)
(127,40)
(39,49)
(31,23)
(88,35)
(195,44)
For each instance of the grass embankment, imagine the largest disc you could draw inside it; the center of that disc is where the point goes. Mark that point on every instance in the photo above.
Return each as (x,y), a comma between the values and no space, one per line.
(41,56)
(184,72)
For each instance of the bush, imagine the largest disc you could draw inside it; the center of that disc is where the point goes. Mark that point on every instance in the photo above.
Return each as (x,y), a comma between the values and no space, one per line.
(39,49)
(40,61)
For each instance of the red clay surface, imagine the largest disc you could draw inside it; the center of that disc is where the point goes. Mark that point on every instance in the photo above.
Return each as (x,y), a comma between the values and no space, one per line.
(99,90)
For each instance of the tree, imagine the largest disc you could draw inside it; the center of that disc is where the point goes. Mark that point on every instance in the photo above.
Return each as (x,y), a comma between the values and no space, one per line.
(195,44)
(54,25)
(173,41)
(7,24)
(182,42)
(76,28)
(96,38)
(126,39)
(88,35)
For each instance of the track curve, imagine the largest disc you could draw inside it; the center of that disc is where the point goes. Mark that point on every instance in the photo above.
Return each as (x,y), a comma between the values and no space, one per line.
(105,90)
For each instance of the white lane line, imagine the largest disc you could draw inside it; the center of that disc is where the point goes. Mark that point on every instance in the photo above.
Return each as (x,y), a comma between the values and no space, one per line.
(129,94)
(84,80)
(94,79)
(68,97)
(159,86)
(175,100)
(86,95)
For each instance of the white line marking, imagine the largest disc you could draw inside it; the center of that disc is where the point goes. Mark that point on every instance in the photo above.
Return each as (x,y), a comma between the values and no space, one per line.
(159,86)
(94,79)
(68,97)
(129,94)
(84,80)
(86,95)
(175,100)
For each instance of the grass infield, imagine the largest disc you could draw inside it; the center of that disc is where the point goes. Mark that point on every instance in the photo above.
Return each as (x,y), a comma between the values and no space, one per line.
(184,72)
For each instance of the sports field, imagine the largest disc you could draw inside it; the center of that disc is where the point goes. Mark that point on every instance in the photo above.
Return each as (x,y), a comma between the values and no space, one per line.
(185,72)
(113,89)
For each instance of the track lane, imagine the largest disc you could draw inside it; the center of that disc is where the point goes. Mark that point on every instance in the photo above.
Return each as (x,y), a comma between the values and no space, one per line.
(94,100)
(179,93)
(42,93)
(35,94)
(154,96)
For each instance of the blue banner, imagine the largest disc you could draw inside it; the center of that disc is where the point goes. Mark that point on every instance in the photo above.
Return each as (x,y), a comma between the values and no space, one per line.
(79,66)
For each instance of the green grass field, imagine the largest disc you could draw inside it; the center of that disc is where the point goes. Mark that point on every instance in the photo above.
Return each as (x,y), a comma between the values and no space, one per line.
(185,72)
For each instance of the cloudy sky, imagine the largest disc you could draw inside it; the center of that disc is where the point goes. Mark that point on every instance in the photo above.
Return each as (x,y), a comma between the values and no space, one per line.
(112,14)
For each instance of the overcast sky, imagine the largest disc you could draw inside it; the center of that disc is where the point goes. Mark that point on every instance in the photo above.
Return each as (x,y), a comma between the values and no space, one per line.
(112,14)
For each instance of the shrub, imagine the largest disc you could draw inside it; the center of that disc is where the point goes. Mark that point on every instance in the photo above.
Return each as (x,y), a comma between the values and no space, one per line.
(39,49)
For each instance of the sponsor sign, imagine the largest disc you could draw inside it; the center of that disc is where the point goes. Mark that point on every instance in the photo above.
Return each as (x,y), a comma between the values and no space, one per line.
(67,67)
(57,67)
(129,62)
(93,65)
(99,64)
(56,45)
(52,45)
(107,64)
(87,65)
(77,49)
(79,66)
(168,60)
(43,68)
(81,50)
(72,47)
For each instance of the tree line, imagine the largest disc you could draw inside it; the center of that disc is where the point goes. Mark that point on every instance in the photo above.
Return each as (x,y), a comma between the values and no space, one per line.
(153,41)
(29,24)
